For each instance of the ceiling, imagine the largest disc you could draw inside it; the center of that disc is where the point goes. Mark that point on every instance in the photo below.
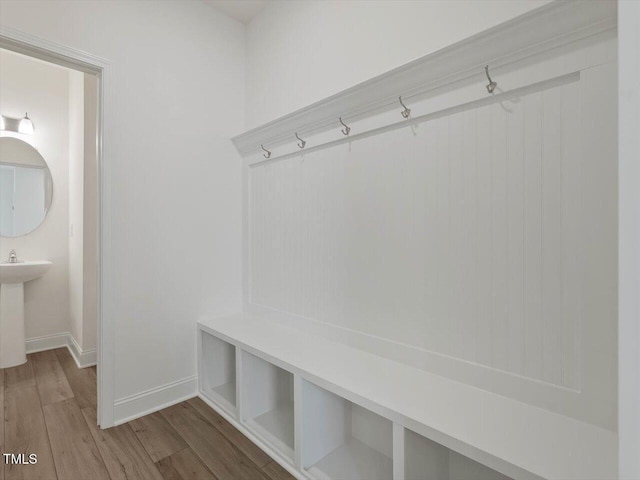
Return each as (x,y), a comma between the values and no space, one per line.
(242,10)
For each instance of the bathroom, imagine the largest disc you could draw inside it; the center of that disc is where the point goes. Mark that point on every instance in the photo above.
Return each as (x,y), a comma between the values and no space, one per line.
(320,239)
(52,217)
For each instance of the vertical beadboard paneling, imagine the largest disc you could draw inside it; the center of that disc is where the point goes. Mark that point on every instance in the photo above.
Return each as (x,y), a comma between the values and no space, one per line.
(459,235)
(532,146)
(458,322)
(515,235)
(484,300)
(430,182)
(552,265)
(499,236)
(599,266)
(470,228)
(572,241)
(443,239)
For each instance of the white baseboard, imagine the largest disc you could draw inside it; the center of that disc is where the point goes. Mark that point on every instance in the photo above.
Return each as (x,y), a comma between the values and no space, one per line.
(149,401)
(127,408)
(83,358)
(47,342)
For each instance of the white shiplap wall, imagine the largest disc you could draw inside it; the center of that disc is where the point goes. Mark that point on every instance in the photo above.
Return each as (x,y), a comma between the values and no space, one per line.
(460,236)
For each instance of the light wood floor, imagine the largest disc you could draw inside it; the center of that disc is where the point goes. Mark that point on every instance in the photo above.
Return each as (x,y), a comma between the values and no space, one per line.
(50,409)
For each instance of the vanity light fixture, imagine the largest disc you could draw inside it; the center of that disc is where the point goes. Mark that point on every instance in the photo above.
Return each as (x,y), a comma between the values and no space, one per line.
(19,125)
(26,125)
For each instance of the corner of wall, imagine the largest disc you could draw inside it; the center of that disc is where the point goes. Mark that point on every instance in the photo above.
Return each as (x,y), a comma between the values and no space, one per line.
(76,194)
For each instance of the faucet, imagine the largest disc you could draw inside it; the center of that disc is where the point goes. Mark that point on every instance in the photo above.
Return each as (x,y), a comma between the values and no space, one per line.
(13,257)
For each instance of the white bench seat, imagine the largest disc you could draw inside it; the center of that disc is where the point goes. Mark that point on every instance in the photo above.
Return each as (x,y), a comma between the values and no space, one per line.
(510,436)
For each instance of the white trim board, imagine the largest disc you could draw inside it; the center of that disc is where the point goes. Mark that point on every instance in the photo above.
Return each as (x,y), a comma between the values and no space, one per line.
(143,403)
(127,408)
(424,110)
(552,26)
(83,358)
(47,342)
(629,238)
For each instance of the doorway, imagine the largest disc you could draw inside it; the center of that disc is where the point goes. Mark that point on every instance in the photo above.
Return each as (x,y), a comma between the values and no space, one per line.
(89,70)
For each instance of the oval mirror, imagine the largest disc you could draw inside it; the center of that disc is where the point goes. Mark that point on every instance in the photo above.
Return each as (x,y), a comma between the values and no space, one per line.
(26,188)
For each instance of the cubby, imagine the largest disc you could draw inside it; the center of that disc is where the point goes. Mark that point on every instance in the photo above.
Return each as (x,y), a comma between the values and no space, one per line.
(425,459)
(342,440)
(218,379)
(268,402)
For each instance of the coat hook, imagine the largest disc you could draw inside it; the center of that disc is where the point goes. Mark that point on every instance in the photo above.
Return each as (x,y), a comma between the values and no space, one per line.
(345,131)
(407,111)
(267,154)
(492,85)
(302,143)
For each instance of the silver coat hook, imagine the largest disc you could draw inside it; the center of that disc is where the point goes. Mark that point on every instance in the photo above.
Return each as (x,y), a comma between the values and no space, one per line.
(302,143)
(267,153)
(492,85)
(407,111)
(345,131)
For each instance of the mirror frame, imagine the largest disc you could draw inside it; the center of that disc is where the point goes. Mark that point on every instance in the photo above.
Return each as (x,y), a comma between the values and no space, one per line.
(48,170)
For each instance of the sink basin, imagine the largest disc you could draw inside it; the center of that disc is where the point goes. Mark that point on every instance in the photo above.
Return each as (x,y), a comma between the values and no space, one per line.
(12,332)
(23,272)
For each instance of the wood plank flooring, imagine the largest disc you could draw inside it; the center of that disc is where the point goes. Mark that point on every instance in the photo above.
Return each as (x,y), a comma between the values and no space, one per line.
(49,409)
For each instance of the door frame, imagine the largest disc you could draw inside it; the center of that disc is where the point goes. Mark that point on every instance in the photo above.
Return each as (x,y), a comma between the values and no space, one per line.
(629,238)
(37,47)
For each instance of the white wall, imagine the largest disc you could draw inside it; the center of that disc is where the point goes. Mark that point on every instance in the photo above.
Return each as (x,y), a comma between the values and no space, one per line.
(83,210)
(41,89)
(301,52)
(629,121)
(177,86)
(90,217)
(76,202)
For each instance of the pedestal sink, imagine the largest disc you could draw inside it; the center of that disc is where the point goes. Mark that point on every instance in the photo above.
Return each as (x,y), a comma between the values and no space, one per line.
(12,335)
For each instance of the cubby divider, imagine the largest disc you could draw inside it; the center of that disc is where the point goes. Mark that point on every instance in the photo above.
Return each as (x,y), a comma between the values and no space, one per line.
(218,364)
(268,402)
